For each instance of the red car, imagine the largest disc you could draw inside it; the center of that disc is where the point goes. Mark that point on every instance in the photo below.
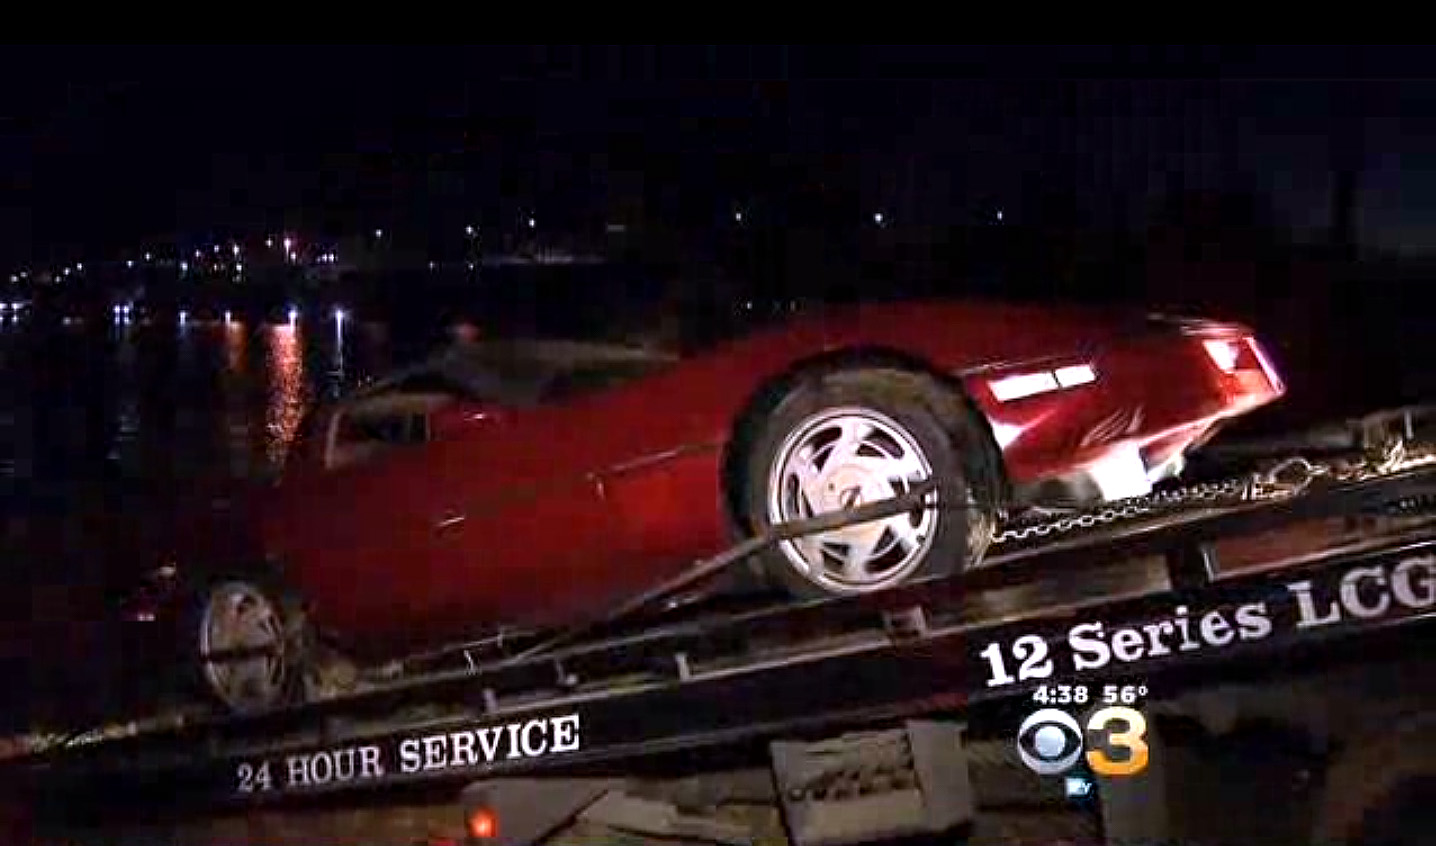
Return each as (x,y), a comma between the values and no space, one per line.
(521,484)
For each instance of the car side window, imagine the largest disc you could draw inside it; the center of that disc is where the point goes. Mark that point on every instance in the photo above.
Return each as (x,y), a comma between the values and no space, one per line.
(395,430)
(361,435)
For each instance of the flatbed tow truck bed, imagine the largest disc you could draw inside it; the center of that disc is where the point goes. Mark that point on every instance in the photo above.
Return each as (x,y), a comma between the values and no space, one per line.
(1278,624)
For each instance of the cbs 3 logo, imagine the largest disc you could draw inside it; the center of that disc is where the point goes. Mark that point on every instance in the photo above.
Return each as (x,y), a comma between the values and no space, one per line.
(1050,741)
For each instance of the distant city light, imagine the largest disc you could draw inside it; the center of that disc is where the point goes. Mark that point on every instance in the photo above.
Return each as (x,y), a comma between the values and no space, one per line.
(293,315)
(339,315)
(269,242)
(469,230)
(378,233)
(288,244)
(433,265)
(999,215)
(79,266)
(14,278)
(293,256)
(148,256)
(129,262)
(234,248)
(214,249)
(227,316)
(183,317)
(532,223)
(738,217)
(879,218)
(67,271)
(184,267)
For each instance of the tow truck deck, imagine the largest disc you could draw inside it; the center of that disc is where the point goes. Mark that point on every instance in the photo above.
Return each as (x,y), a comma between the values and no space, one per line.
(843,721)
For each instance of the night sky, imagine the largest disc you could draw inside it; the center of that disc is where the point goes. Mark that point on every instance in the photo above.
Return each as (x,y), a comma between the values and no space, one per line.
(102,149)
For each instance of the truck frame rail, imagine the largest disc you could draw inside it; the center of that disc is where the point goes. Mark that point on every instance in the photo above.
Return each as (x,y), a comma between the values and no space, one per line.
(1185,592)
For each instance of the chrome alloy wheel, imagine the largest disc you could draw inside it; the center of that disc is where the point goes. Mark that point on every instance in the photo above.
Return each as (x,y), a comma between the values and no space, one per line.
(840,459)
(238,616)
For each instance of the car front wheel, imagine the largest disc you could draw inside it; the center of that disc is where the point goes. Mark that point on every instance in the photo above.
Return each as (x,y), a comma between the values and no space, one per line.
(249,645)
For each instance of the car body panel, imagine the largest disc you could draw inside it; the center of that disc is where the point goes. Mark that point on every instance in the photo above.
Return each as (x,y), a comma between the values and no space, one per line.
(532,514)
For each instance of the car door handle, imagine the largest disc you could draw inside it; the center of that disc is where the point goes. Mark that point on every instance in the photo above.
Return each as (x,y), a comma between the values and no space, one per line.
(449,521)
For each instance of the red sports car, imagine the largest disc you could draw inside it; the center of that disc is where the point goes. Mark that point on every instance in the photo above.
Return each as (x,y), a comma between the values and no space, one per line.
(521,484)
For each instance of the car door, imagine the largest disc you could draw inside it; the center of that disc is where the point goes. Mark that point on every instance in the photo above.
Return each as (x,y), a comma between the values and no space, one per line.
(511,510)
(348,524)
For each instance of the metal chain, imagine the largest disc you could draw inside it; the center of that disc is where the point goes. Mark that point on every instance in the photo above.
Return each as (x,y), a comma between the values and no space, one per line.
(1286,478)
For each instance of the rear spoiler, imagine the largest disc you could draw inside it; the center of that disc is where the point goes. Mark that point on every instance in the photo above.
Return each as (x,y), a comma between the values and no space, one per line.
(1194,325)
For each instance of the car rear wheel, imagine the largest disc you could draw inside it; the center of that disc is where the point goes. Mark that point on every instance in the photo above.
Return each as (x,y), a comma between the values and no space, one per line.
(250,644)
(854,437)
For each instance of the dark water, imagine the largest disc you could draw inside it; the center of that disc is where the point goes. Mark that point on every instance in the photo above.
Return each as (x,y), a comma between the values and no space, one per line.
(108,431)
(149,403)
(159,398)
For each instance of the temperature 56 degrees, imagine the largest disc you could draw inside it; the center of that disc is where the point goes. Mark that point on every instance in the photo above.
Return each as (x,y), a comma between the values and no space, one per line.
(1123,694)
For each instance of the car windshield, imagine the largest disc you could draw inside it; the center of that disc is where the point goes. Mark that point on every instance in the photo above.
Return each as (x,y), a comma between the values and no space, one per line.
(517,373)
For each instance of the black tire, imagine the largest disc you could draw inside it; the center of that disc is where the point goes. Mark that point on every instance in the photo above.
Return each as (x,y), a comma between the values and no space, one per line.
(932,416)
(287,684)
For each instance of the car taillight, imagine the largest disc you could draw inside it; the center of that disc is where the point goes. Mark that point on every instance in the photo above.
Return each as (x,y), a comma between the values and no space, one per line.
(1224,353)
(1244,353)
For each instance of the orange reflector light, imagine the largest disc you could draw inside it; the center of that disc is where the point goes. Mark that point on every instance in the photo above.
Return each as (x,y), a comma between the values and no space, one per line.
(483,824)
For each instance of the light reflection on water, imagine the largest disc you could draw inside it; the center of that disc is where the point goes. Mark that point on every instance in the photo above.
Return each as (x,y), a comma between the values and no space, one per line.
(213,399)
(289,394)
